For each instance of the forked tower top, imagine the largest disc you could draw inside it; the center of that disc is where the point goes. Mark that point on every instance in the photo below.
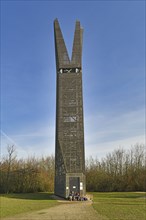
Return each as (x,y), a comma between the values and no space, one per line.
(63,60)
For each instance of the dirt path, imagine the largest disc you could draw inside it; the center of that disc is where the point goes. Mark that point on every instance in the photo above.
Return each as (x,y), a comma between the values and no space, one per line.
(64,211)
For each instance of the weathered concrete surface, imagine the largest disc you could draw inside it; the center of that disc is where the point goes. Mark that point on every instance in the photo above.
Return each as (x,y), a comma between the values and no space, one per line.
(64,211)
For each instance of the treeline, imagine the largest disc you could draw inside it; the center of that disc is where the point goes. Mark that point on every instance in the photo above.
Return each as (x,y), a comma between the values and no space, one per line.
(119,171)
(26,175)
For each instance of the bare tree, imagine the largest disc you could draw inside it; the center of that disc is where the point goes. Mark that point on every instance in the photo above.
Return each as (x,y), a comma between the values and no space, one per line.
(10,159)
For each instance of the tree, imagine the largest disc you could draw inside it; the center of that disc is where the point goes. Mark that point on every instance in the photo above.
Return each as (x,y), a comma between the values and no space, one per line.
(9,163)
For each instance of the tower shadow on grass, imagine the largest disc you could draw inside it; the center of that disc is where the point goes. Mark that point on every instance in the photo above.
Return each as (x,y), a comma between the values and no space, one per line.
(31,196)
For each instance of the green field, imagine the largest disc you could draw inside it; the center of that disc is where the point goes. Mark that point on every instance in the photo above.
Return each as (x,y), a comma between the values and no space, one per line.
(11,204)
(114,206)
(120,206)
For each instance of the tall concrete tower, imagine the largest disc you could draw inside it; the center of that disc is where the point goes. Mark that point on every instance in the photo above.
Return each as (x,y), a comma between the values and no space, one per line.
(69,151)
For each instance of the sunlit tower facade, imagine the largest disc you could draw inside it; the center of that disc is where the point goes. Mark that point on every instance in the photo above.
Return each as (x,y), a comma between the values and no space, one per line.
(69,149)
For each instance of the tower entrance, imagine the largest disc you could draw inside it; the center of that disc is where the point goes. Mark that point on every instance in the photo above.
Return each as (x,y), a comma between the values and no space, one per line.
(74,184)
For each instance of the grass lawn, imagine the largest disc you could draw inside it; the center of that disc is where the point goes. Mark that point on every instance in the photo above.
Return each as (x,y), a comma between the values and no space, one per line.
(121,206)
(12,204)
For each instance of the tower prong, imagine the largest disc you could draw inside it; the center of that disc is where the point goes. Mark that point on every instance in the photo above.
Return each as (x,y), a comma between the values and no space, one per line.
(61,50)
(77,46)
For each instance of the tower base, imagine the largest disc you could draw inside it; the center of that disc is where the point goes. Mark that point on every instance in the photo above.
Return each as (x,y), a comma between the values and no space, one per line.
(70,182)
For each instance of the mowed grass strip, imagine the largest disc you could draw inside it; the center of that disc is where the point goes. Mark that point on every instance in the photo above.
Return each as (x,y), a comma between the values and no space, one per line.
(121,206)
(12,204)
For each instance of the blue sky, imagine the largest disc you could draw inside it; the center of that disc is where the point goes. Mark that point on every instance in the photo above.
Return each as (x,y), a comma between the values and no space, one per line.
(113,73)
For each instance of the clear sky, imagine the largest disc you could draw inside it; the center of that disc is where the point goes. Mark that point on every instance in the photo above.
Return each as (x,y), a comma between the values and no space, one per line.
(113,73)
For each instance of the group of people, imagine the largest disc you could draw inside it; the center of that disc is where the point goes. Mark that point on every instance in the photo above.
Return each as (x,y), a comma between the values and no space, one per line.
(75,196)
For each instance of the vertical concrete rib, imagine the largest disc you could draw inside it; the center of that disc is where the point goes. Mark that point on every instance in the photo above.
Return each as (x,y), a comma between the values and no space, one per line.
(77,46)
(61,51)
